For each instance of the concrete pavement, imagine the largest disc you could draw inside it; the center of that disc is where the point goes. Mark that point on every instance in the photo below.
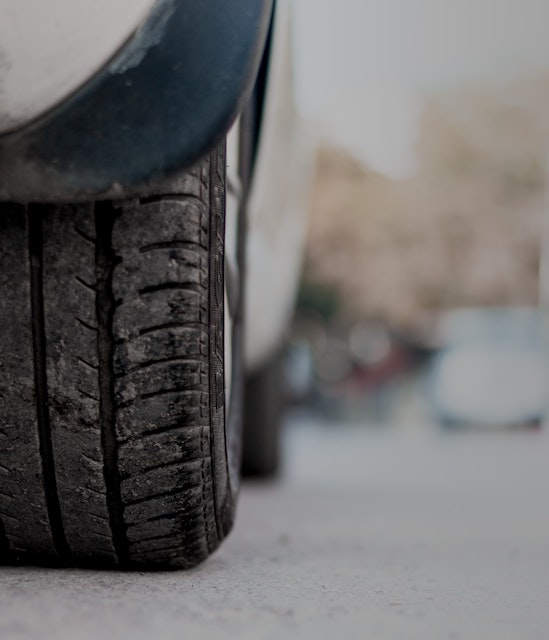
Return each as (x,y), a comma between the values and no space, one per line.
(389,534)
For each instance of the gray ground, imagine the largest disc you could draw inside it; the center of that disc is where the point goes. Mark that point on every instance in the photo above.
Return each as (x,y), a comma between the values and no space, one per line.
(404,534)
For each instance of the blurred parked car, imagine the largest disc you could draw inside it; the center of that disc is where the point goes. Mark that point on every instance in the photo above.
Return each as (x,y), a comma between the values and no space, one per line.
(491,368)
(152,197)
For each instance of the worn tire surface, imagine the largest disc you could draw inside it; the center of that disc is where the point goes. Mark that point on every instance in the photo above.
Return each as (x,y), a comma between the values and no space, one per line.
(112,417)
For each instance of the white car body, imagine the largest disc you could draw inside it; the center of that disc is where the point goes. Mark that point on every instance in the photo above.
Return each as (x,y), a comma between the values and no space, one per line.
(71,40)
(277,208)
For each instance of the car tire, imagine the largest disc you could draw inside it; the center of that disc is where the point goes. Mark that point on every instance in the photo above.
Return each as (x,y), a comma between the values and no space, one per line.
(114,447)
(265,404)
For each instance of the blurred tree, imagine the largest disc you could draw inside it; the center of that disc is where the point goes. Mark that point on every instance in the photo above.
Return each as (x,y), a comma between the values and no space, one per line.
(465,230)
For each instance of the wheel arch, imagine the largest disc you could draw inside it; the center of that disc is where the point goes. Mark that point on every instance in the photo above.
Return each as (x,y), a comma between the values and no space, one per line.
(164,100)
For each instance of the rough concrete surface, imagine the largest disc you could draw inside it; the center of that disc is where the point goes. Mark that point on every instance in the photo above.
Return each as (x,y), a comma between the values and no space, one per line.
(389,534)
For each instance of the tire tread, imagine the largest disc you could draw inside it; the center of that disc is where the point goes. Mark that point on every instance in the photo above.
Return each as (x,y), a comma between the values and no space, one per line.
(128,337)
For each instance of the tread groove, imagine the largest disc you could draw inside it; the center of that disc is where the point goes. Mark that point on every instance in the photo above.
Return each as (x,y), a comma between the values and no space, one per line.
(181,286)
(87,457)
(163,392)
(105,214)
(98,518)
(160,430)
(156,496)
(181,197)
(34,217)
(94,491)
(84,236)
(87,364)
(85,284)
(174,515)
(179,548)
(172,244)
(99,534)
(169,325)
(172,325)
(181,462)
(152,363)
(10,516)
(143,541)
(86,325)
(87,395)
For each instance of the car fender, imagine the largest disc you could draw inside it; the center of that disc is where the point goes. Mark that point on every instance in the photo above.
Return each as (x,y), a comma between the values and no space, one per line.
(167,97)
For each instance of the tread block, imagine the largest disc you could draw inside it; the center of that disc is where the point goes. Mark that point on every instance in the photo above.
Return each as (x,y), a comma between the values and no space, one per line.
(175,219)
(173,477)
(169,447)
(162,344)
(161,378)
(144,273)
(157,507)
(169,411)
(169,306)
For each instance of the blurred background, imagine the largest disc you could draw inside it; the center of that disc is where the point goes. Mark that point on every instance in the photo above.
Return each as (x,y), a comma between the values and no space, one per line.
(424,296)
